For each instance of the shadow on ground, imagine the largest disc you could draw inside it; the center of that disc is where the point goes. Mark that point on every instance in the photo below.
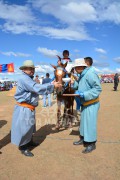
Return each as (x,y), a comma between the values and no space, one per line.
(5,141)
(43,132)
(2,123)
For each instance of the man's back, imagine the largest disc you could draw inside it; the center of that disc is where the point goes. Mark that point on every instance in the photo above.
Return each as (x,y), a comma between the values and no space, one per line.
(46,80)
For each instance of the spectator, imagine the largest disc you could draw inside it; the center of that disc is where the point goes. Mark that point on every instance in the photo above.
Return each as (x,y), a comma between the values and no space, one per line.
(11,86)
(41,79)
(37,79)
(116,81)
(46,80)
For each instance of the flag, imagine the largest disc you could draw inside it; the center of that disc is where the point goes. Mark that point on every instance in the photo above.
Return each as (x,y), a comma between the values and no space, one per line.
(6,68)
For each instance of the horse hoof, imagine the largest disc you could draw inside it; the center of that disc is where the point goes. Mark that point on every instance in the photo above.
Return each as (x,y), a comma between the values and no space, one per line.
(57,128)
(71,129)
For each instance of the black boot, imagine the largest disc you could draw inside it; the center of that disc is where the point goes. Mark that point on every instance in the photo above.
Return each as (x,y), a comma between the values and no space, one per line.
(25,151)
(89,148)
(80,142)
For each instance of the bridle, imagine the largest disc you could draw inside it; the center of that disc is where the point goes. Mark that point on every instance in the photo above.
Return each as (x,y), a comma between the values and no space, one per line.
(59,74)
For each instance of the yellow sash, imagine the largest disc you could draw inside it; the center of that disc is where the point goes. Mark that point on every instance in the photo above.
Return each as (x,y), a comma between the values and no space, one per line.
(91,102)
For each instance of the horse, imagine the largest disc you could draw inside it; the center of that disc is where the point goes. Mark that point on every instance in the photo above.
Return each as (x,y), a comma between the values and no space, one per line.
(60,73)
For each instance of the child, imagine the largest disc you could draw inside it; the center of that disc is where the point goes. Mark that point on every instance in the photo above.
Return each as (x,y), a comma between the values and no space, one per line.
(66,56)
(64,62)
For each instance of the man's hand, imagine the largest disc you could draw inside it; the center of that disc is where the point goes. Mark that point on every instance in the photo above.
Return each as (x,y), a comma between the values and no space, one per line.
(57,84)
(79,93)
(72,81)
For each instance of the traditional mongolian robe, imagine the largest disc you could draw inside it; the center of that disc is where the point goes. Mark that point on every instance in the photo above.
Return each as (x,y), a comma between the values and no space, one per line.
(89,85)
(23,122)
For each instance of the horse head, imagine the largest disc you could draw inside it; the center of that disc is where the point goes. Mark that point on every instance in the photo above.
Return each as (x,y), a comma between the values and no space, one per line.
(60,71)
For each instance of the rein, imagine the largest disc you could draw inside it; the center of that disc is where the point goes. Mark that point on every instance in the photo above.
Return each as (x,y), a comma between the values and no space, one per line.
(59,74)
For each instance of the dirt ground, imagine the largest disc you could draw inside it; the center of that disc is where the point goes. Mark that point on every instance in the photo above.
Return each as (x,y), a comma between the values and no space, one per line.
(56,157)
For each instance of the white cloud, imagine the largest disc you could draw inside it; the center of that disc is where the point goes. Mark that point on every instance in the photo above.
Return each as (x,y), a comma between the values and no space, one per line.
(100,50)
(18,28)
(118,70)
(23,54)
(8,53)
(39,69)
(17,54)
(68,20)
(67,33)
(103,57)
(97,70)
(77,34)
(74,11)
(48,52)
(117,59)
(107,70)
(70,12)
(100,64)
(15,13)
(76,50)
(112,13)
(44,69)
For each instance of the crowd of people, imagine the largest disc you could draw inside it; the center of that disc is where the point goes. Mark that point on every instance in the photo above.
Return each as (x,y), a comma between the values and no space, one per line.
(7,85)
(87,85)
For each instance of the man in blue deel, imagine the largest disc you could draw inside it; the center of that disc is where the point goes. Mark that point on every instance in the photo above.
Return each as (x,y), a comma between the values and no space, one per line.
(89,89)
(27,95)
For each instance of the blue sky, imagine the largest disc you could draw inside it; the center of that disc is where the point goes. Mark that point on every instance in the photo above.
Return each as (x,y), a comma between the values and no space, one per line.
(41,29)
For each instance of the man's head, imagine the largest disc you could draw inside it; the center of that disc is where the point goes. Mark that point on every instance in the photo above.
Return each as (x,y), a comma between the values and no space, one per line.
(37,76)
(65,53)
(47,75)
(42,77)
(28,67)
(89,61)
(79,65)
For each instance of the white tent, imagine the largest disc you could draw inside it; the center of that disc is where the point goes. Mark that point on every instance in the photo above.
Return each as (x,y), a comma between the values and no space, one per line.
(5,80)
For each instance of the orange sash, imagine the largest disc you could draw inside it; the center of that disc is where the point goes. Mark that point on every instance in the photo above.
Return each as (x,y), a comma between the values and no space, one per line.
(91,102)
(24,104)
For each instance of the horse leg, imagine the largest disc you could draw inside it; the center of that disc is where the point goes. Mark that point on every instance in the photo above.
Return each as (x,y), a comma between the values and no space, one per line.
(72,114)
(65,116)
(58,114)
(69,118)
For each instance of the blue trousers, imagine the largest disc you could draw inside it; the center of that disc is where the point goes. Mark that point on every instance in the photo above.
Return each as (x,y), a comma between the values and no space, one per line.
(49,99)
